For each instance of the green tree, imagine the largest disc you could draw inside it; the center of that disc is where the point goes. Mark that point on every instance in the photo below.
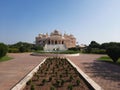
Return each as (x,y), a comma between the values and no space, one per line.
(94,44)
(37,47)
(22,49)
(3,50)
(113,52)
(104,45)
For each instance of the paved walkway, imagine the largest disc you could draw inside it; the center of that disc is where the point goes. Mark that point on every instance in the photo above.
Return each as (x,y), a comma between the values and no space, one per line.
(14,70)
(105,74)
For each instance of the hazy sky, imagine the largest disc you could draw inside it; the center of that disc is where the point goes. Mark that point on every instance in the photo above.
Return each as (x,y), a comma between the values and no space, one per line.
(87,20)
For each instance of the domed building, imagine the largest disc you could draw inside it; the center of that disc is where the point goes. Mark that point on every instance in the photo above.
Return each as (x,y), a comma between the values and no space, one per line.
(55,41)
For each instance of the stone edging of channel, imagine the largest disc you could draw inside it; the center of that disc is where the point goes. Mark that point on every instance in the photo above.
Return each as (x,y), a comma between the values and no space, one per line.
(38,54)
(86,77)
(77,54)
(22,83)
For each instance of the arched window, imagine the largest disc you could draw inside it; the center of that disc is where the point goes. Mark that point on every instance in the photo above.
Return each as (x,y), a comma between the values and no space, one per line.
(49,42)
(62,42)
(55,42)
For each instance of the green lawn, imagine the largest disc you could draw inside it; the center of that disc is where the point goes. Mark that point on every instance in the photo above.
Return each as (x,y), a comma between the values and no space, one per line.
(107,59)
(5,58)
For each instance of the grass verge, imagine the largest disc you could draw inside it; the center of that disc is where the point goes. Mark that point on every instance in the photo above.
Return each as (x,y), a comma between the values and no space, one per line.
(108,59)
(5,58)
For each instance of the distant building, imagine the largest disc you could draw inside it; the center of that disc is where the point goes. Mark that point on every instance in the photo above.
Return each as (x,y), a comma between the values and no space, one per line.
(82,46)
(55,41)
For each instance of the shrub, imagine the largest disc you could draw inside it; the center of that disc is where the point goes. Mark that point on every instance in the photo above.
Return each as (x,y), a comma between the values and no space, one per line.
(35,47)
(60,75)
(62,82)
(50,78)
(94,50)
(98,51)
(3,50)
(43,81)
(29,82)
(74,49)
(70,87)
(52,88)
(114,53)
(57,82)
(66,71)
(37,77)
(56,73)
(22,49)
(13,50)
(69,52)
(32,87)
(78,82)
(71,77)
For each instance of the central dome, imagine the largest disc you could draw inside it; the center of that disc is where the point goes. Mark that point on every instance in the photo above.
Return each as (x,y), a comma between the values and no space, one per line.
(55,32)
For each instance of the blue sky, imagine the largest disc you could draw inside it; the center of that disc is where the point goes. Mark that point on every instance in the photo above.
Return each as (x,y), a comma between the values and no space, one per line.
(87,20)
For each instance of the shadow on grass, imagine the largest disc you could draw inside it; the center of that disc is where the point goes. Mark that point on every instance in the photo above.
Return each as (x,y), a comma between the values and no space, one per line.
(110,62)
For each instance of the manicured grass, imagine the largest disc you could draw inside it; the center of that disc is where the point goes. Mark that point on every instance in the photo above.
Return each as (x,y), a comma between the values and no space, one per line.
(5,58)
(108,59)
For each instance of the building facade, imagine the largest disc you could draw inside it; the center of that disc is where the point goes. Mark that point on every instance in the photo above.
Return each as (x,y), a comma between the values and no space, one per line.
(56,41)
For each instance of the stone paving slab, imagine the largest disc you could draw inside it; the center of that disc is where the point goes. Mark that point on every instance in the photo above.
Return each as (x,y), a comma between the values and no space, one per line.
(12,71)
(105,74)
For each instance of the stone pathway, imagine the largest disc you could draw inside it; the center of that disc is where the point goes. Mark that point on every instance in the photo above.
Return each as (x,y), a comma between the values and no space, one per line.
(105,74)
(12,71)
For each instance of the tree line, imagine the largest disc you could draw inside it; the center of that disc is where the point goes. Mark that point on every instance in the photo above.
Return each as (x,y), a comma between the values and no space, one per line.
(23,47)
(18,48)
(112,49)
